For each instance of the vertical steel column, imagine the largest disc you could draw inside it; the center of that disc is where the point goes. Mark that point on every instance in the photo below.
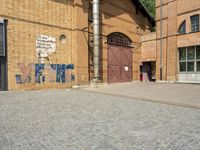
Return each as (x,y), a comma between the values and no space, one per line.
(96,32)
(161,40)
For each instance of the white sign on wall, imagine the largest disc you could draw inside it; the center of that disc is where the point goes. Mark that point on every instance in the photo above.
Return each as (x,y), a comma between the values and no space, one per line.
(45,45)
(126,68)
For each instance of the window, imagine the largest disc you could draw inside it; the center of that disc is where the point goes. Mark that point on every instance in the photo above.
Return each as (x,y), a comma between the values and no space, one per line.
(182,59)
(190,66)
(182,28)
(117,38)
(189,59)
(182,54)
(2,38)
(198,58)
(190,53)
(198,66)
(182,66)
(198,52)
(195,23)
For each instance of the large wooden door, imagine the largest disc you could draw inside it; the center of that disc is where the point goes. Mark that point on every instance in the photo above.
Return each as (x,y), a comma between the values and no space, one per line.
(119,64)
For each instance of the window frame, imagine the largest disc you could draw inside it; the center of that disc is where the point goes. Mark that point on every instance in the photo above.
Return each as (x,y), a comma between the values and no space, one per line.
(197,15)
(2,21)
(182,61)
(181,25)
(196,66)
(120,39)
(195,60)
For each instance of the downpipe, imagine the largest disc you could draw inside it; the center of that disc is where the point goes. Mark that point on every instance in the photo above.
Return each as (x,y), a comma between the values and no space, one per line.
(96,38)
(161,40)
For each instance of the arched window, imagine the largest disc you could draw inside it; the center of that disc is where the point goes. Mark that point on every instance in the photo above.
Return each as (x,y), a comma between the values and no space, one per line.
(194,23)
(182,28)
(119,39)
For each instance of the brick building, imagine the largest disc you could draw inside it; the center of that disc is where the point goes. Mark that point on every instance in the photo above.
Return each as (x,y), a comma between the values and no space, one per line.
(48,44)
(178,57)
(148,58)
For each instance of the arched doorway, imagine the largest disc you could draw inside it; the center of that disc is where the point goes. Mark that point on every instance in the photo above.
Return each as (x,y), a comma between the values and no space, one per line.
(119,58)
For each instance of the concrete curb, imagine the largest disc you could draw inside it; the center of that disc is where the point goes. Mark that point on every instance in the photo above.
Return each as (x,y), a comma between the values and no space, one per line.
(147,100)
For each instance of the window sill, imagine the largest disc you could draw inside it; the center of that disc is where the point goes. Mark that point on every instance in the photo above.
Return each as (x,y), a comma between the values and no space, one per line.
(194,31)
(179,34)
(189,72)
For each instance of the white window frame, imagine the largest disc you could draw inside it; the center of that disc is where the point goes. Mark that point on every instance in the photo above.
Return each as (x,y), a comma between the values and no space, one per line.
(195,60)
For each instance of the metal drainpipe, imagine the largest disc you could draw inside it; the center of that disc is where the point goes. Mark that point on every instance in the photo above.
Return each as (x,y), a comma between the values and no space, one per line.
(161,40)
(96,49)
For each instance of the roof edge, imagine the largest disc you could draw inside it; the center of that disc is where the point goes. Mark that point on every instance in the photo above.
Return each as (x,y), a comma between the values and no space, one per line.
(145,11)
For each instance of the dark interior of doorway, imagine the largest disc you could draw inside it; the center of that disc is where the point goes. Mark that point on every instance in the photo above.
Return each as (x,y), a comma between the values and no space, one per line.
(148,71)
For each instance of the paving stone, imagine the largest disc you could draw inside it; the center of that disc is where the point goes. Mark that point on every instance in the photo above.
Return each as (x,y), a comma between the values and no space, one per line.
(79,120)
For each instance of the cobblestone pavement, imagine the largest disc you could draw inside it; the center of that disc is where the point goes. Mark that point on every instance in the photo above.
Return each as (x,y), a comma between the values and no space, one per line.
(78,120)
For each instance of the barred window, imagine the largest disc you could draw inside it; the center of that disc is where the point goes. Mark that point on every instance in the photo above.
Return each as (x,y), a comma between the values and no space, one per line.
(195,23)
(119,39)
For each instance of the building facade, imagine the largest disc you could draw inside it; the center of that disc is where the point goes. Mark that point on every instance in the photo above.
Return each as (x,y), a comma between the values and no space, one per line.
(178,40)
(48,44)
(148,58)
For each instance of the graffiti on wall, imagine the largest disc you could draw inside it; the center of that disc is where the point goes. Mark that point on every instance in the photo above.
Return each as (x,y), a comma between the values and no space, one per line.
(25,77)
(41,73)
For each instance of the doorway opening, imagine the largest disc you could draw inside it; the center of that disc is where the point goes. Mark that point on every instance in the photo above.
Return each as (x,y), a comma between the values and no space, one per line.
(148,71)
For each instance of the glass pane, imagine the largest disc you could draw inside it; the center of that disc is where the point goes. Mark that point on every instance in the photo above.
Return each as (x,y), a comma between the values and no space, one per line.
(182,28)
(1,40)
(190,53)
(182,66)
(190,66)
(119,39)
(0,76)
(198,66)
(198,52)
(195,23)
(182,54)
